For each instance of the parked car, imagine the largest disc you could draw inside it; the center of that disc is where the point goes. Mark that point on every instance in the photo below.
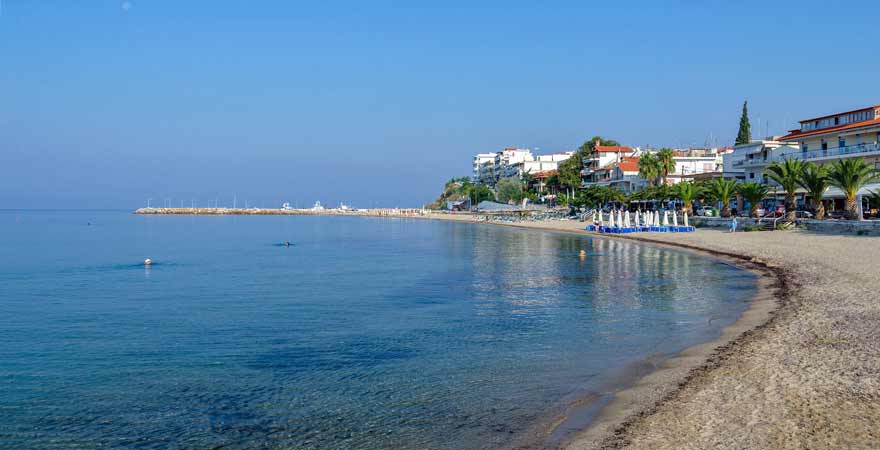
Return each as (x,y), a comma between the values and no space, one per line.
(704,211)
(804,215)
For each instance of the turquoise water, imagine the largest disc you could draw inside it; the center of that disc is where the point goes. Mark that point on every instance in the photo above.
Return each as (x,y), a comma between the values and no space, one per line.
(367,333)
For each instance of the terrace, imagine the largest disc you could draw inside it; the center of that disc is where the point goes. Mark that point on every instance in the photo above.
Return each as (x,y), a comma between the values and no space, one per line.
(868,149)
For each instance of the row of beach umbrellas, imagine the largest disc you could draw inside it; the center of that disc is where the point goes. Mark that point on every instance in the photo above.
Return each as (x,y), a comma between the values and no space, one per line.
(648,219)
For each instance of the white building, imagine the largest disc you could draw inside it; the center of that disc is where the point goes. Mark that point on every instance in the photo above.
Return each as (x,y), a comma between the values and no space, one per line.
(748,161)
(543,163)
(484,168)
(597,161)
(692,163)
(624,176)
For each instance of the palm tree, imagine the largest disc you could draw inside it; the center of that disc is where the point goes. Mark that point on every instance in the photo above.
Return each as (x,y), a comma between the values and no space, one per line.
(666,158)
(722,190)
(815,180)
(850,175)
(649,167)
(787,174)
(687,192)
(753,193)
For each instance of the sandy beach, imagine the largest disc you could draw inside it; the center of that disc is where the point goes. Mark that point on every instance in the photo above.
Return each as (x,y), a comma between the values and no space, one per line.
(798,370)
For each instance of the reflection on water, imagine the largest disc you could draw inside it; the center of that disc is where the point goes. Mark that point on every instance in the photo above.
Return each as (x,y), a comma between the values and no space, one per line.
(368,333)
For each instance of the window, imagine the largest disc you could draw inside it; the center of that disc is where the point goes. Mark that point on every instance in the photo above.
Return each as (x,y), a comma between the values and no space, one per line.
(841,141)
(824,145)
(804,147)
(837,120)
(751,175)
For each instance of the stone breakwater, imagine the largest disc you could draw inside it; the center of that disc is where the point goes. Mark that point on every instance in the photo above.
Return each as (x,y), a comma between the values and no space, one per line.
(376,212)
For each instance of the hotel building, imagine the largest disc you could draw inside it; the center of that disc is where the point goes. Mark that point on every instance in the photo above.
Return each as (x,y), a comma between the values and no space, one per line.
(848,134)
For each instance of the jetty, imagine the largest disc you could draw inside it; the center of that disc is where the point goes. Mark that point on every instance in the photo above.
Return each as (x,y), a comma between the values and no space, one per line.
(373,212)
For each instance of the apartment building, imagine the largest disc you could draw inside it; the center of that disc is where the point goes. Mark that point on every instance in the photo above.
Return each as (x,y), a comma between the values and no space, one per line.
(848,134)
(597,162)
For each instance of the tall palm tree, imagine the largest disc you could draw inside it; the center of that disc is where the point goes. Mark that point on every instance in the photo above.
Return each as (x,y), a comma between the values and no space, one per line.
(649,167)
(753,193)
(787,174)
(815,180)
(687,192)
(666,158)
(850,175)
(723,190)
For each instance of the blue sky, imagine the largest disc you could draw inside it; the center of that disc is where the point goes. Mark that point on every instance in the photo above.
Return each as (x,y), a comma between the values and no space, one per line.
(104,104)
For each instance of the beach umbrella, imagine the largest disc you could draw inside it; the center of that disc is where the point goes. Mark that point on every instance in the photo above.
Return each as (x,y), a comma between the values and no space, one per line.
(626,222)
(611,219)
(619,218)
(638,219)
(685,216)
(665,218)
(647,218)
(674,219)
(656,218)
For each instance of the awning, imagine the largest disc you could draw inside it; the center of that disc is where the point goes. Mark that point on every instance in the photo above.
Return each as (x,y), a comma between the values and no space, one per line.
(834,192)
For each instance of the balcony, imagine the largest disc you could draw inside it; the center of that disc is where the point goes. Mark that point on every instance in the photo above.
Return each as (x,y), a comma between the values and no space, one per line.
(752,162)
(834,153)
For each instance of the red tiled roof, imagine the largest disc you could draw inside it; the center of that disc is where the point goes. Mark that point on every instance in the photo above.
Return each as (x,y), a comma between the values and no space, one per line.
(613,148)
(797,134)
(868,108)
(629,164)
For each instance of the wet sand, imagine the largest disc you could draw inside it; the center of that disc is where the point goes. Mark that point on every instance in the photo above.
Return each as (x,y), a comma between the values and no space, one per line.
(799,369)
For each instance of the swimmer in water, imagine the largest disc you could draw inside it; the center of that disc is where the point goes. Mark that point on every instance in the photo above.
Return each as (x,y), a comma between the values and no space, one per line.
(287,243)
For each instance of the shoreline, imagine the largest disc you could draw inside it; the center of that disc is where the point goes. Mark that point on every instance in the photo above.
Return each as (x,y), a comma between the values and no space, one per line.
(802,373)
(807,376)
(610,413)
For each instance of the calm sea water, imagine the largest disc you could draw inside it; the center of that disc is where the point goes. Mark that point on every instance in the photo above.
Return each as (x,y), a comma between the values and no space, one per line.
(367,333)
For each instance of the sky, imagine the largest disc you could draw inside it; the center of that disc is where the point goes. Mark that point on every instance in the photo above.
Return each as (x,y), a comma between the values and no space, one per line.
(108,103)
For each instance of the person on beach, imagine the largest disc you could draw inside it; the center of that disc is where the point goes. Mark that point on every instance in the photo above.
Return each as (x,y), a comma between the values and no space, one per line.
(733,225)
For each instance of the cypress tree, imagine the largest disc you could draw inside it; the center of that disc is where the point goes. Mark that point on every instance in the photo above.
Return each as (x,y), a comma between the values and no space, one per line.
(744,136)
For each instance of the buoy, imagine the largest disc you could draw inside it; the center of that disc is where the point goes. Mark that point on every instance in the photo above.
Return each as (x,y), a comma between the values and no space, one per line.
(147,262)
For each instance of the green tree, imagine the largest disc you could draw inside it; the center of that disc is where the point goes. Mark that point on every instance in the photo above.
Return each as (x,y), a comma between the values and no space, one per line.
(723,190)
(850,175)
(590,145)
(744,136)
(649,167)
(815,180)
(479,192)
(666,161)
(569,173)
(753,193)
(687,192)
(787,174)
(509,190)
(552,183)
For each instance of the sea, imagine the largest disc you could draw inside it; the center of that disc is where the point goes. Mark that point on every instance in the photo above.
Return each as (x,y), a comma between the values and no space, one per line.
(364,333)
